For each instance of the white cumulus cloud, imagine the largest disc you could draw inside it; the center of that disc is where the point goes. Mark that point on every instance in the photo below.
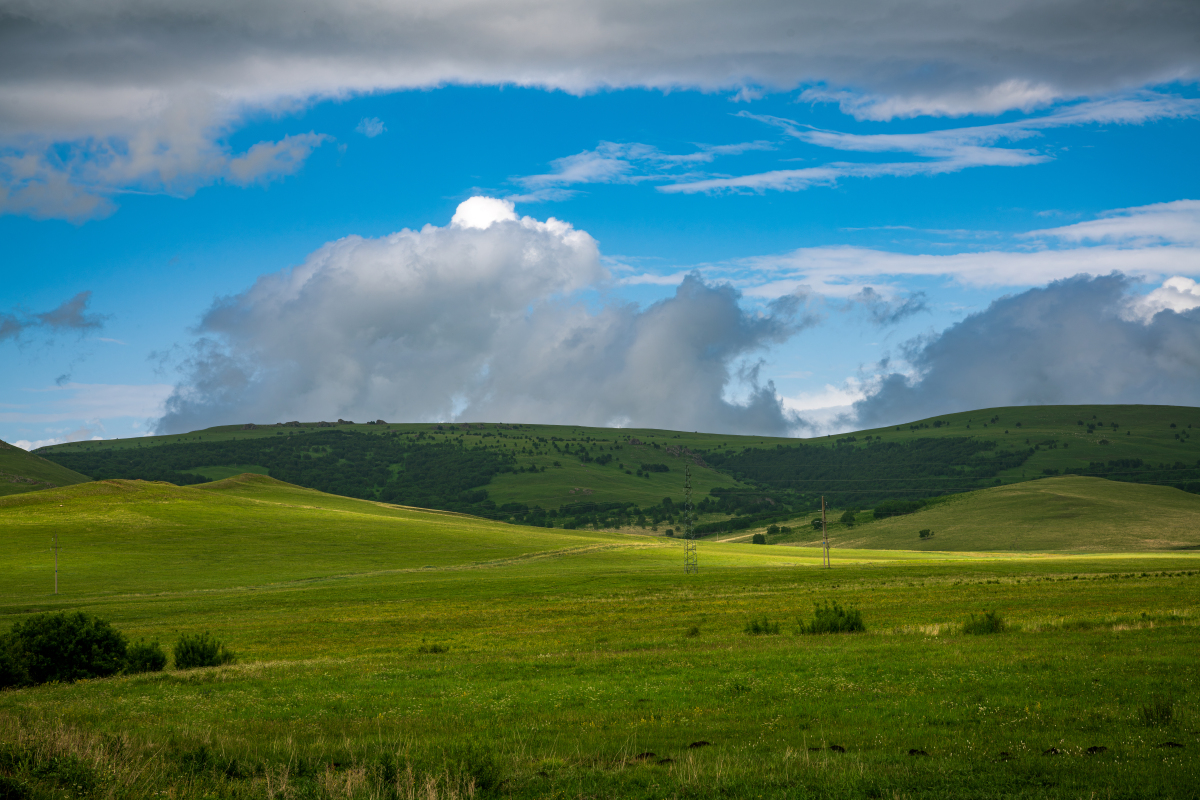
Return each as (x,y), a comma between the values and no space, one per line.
(480,319)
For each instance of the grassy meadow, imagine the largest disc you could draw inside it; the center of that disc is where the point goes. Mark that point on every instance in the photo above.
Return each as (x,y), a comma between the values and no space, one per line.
(386,652)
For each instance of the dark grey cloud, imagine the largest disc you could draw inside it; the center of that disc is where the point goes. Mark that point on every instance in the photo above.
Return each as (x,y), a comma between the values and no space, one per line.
(72,315)
(480,320)
(143,90)
(883,312)
(1078,340)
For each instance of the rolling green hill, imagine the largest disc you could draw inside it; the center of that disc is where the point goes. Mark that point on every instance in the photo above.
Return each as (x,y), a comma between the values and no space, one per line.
(25,472)
(569,476)
(1053,514)
(250,529)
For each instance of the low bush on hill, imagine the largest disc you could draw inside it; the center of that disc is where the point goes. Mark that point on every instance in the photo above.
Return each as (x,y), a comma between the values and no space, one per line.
(200,650)
(758,538)
(832,618)
(145,656)
(988,622)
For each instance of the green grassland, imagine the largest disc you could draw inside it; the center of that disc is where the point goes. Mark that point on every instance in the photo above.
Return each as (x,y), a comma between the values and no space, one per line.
(570,655)
(25,472)
(1069,513)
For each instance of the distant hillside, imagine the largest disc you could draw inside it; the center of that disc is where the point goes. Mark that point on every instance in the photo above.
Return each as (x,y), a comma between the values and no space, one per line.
(581,476)
(569,476)
(24,472)
(1053,514)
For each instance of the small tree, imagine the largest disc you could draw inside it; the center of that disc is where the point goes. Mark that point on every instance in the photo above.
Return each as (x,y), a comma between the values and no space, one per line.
(847,517)
(758,538)
(925,533)
(816,523)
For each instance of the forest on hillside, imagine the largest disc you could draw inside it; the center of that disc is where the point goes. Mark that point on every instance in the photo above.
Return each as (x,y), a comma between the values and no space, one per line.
(783,482)
(860,472)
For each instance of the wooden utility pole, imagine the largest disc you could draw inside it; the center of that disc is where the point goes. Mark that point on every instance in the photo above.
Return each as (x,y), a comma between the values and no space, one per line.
(55,562)
(690,561)
(824,536)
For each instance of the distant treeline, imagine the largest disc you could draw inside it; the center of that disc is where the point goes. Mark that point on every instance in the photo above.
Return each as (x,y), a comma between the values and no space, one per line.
(850,475)
(387,467)
(1135,470)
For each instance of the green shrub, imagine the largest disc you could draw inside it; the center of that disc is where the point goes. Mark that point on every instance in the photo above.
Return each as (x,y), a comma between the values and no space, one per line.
(145,656)
(60,647)
(925,533)
(832,618)
(200,650)
(12,668)
(762,627)
(433,648)
(988,622)
(758,538)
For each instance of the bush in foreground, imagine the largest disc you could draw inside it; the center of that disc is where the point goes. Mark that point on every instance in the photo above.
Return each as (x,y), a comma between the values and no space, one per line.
(832,618)
(60,647)
(200,650)
(988,622)
(145,656)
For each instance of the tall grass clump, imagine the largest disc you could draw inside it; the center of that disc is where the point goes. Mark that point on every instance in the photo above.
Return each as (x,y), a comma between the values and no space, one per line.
(200,650)
(1158,712)
(988,622)
(762,627)
(832,618)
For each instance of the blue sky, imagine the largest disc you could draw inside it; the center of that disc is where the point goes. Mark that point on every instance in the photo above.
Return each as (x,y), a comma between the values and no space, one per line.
(858,219)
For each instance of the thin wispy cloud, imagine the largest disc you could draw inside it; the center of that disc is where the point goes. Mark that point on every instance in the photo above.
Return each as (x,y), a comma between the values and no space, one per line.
(371,127)
(940,151)
(630,162)
(1156,242)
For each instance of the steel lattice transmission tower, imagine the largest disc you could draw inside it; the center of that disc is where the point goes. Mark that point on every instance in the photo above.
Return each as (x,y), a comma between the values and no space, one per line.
(690,562)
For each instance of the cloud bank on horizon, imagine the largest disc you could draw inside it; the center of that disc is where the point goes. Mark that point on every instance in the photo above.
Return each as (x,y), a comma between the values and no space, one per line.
(486,319)
(100,97)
